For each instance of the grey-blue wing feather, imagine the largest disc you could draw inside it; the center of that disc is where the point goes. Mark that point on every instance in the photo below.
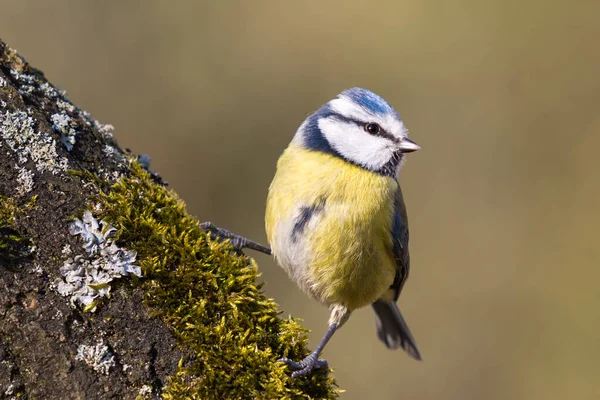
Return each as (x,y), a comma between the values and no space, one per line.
(400,244)
(391,326)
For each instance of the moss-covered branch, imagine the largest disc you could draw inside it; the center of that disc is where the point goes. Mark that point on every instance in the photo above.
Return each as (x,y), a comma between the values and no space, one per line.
(196,324)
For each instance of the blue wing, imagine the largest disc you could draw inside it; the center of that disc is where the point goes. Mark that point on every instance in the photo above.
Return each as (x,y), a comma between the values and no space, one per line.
(391,326)
(400,244)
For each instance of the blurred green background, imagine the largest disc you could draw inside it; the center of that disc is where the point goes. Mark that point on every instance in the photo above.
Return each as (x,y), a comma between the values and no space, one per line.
(503,198)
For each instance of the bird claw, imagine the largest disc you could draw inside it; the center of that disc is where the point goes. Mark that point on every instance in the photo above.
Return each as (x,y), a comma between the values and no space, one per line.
(239,243)
(304,367)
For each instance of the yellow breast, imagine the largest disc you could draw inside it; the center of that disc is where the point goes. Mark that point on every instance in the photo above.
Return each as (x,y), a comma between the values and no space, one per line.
(344,255)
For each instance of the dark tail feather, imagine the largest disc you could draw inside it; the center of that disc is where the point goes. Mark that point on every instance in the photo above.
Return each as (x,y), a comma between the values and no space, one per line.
(392,329)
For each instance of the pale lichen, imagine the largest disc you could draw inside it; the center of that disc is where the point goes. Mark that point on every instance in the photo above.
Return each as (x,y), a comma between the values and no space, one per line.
(37,270)
(87,278)
(48,90)
(30,84)
(145,391)
(108,150)
(105,129)
(66,106)
(66,250)
(17,130)
(65,126)
(21,77)
(27,81)
(58,96)
(25,181)
(97,356)
(10,390)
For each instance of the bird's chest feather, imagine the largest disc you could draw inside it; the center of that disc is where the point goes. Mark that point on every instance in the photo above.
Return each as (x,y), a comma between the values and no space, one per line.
(329,225)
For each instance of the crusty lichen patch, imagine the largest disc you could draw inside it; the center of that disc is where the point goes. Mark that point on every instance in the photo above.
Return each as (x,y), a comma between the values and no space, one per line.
(66,127)
(39,138)
(25,181)
(19,133)
(210,299)
(98,356)
(86,277)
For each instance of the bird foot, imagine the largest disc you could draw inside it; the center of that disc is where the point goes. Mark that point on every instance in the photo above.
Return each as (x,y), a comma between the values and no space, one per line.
(304,367)
(237,242)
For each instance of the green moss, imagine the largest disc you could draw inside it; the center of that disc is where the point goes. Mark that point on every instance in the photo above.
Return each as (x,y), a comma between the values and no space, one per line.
(210,299)
(7,211)
(13,245)
(88,176)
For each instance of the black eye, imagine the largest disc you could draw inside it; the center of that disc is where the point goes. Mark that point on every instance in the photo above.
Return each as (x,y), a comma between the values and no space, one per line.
(372,128)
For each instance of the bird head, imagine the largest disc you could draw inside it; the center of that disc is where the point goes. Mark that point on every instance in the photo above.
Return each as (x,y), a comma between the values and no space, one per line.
(361,128)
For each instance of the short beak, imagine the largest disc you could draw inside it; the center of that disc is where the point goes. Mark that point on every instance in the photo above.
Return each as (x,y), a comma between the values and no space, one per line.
(408,146)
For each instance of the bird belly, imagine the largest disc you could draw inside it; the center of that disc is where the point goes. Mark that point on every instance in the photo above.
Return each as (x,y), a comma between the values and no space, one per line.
(342,255)
(350,262)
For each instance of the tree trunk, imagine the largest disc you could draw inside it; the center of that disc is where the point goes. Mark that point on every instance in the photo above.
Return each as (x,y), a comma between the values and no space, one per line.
(108,288)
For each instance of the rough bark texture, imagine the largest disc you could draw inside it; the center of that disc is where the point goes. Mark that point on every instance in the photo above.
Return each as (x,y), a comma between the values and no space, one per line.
(40,332)
(50,346)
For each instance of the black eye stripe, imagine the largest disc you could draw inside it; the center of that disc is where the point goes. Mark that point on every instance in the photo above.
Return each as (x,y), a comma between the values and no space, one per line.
(382,132)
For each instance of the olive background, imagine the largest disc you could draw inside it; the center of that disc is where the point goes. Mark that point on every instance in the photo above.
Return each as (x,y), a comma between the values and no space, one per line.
(503,198)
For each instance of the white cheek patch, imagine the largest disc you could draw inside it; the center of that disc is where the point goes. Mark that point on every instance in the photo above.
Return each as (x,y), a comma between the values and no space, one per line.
(356,145)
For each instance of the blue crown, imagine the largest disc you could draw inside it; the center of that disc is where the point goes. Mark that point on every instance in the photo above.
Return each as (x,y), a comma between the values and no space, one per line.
(369,100)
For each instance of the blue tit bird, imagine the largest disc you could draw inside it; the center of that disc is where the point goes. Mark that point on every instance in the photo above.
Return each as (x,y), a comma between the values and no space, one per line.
(335,216)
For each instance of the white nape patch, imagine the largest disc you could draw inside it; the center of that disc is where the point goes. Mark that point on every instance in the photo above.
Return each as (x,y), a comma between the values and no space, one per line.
(299,136)
(355,144)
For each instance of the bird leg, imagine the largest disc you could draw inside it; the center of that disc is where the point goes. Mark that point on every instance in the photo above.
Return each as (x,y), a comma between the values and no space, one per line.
(312,362)
(238,242)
